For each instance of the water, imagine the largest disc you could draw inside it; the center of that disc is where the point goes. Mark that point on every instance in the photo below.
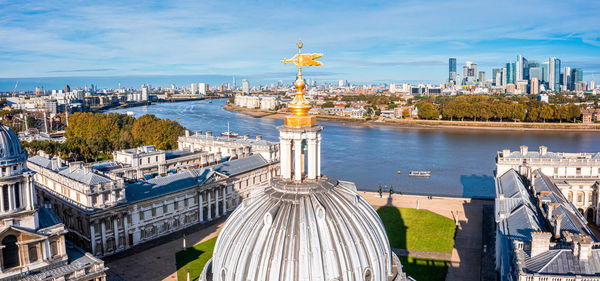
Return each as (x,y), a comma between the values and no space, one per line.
(462,161)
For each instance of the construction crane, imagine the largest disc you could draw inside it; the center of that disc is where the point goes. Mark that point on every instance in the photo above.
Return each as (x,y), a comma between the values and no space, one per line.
(15,89)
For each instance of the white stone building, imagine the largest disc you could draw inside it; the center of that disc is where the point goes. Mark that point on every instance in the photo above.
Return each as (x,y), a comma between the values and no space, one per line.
(32,237)
(111,206)
(577,175)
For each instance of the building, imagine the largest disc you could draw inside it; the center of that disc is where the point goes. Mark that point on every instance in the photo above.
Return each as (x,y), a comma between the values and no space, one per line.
(567,84)
(245,86)
(577,175)
(202,88)
(521,69)
(510,73)
(481,77)
(554,74)
(111,206)
(469,73)
(590,115)
(32,235)
(576,77)
(452,70)
(534,86)
(194,89)
(303,225)
(540,233)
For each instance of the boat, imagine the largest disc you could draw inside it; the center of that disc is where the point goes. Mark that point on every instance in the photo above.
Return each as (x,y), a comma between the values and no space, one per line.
(424,174)
(229,133)
(398,172)
(209,101)
(177,117)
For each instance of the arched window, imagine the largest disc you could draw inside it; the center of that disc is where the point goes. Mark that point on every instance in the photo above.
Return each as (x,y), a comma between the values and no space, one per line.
(10,253)
(33,255)
(368,275)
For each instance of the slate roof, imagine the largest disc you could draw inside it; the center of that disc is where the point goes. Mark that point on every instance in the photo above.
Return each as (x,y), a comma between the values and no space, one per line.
(47,217)
(41,161)
(83,176)
(563,262)
(159,186)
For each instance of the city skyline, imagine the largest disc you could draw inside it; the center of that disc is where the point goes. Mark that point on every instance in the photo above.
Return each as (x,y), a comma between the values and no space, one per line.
(415,41)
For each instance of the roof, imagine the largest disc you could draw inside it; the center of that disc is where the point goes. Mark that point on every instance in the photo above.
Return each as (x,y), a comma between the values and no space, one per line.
(563,262)
(41,161)
(86,177)
(47,217)
(159,186)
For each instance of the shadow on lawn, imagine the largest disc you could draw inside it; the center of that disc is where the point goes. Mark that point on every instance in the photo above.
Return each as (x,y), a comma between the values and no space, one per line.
(184,258)
(425,269)
(397,236)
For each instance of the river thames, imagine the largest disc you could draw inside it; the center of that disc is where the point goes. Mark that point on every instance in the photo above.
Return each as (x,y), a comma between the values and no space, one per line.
(461,161)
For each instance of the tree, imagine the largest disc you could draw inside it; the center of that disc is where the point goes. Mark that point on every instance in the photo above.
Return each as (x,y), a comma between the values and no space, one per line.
(405,113)
(427,111)
(327,105)
(546,112)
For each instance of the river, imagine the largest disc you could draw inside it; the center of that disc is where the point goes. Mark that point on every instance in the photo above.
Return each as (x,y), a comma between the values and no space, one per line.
(461,161)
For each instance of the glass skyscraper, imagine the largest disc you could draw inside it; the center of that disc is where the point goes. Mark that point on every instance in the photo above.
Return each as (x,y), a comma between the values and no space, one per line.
(452,70)
(554,74)
(510,73)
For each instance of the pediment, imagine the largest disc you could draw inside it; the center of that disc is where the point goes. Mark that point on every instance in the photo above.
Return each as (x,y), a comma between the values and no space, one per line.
(22,234)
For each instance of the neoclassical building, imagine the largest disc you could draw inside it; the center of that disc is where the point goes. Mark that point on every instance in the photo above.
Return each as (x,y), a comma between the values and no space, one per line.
(302,225)
(576,175)
(144,193)
(32,237)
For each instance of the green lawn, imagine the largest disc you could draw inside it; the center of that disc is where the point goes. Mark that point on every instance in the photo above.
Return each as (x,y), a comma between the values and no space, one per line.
(425,269)
(194,258)
(420,230)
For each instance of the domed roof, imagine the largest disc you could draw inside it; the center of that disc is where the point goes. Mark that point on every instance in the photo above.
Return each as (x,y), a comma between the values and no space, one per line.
(311,230)
(10,146)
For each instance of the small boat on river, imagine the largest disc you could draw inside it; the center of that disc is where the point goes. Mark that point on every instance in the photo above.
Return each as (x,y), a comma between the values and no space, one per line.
(422,174)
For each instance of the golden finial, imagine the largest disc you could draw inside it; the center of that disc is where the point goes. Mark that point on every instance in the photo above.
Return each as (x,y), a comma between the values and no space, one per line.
(300,106)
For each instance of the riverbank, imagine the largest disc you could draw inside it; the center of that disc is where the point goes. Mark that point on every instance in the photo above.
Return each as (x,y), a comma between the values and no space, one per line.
(136,104)
(480,125)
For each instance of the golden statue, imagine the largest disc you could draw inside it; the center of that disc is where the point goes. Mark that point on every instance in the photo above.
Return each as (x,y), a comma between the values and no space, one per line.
(300,106)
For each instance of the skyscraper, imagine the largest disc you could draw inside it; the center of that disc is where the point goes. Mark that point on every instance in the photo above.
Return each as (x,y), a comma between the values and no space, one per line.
(566,79)
(481,77)
(469,73)
(554,74)
(576,77)
(497,76)
(245,86)
(521,69)
(452,70)
(510,73)
(545,66)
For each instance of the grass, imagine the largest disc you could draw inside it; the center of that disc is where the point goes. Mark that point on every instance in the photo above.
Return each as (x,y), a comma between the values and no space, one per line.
(194,258)
(420,230)
(425,269)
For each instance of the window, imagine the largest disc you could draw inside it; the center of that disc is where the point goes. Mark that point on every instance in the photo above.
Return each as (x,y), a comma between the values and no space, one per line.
(141,215)
(555,171)
(165,209)
(580,197)
(185,203)
(10,252)
(54,248)
(94,200)
(153,212)
(368,275)
(175,205)
(17,195)
(578,171)
(33,256)
(5,197)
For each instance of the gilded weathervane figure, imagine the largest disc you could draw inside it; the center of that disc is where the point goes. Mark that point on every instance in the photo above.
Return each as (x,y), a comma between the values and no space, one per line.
(300,106)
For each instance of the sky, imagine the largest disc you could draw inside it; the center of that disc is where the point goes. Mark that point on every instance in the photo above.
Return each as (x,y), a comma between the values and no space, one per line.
(361,41)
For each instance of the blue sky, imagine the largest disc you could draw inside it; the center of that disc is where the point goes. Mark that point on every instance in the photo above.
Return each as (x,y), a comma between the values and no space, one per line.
(362,41)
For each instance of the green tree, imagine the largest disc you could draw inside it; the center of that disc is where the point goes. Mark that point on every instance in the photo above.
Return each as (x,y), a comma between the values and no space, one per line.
(427,111)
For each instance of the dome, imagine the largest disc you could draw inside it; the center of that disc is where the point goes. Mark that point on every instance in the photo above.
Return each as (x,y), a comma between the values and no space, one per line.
(10,146)
(310,230)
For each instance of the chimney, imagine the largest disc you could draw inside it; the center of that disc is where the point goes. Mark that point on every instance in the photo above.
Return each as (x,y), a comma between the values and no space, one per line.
(557,221)
(246,137)
(540,243)
(258,137)
(55,164)
(524,150)
(198,133)
(543,150)
(505,152)
(582,246)
(208,133)
(549,209)
(187,133)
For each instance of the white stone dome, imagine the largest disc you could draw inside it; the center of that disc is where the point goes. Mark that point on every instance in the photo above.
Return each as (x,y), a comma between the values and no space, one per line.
(10,147)
(312,230)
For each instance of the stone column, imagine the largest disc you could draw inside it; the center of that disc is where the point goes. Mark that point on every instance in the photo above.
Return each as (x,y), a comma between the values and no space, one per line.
(116,232)
(286,158)
(224,200)
(11,196)
(126,228)
(298,159)
(47,247)
(208,203)
(103,235)
(216,202)
(318,155)
(312,159)
(93,237)
(200,208)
